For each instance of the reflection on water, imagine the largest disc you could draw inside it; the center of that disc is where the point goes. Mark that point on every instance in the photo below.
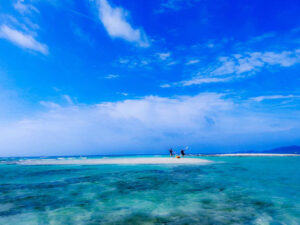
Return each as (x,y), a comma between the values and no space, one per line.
(257,190)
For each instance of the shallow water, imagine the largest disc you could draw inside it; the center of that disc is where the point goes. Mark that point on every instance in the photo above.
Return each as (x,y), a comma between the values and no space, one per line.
(233,190)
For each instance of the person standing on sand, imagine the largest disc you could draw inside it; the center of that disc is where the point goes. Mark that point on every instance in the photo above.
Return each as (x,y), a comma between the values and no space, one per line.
(171,152)
(182,152)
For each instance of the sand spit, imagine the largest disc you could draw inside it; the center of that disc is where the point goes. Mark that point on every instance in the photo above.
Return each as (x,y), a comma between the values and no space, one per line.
(116,161)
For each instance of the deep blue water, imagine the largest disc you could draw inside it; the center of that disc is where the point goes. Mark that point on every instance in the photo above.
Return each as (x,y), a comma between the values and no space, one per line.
(233,190)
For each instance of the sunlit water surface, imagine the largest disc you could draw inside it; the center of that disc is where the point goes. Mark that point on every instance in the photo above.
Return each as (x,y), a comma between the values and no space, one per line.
(233,190)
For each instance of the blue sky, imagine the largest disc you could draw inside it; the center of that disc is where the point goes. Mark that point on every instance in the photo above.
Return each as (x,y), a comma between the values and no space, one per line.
(116,76)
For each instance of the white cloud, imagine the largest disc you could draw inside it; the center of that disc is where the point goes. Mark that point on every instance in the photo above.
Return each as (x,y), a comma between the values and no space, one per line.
(262,37)
(172,63)
(50,105)
(285,58)
(124,61)
(197,81)
(145,61)
(112,76)
(238,66)
(137,125)
(116,24)
(165,85)
(272,97)
(164,56)
(124,93)
(24,8)
(252,62)
(162,59)
(23,40)
(205,81)
(227,66)
(193,61)
(68,99)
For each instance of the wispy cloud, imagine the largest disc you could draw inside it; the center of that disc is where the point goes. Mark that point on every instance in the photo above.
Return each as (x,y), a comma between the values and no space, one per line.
(210,45)
(22,32)
(134,62)
(207,80)
(148,61)
(124,93)
(23,40)
(273,97)
(262,37)
(192,61)
(198,81)
(82,35)
(116,24)
(252,62)
(68,99)
(164,56)
(165,85)
(112,76)
(23,8)
(51,105)
(175,5)
(237,66)
(172,63)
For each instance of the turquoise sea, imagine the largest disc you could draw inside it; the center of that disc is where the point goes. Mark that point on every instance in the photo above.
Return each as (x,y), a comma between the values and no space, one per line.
(231,190)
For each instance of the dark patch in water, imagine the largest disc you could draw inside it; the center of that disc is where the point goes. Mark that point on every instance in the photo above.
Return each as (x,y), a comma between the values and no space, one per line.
(206,201)
(5,188)
(200,189)
(262,204)
(177,219)
(124,187)
(222,189)
(55,172)
(84,179)
(34,203)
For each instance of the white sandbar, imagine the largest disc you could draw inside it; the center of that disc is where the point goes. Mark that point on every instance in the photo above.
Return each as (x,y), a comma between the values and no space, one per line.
(117,161)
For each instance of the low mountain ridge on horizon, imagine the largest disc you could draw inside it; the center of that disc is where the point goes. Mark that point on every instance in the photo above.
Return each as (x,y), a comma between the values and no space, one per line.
(293,149)
(287,149)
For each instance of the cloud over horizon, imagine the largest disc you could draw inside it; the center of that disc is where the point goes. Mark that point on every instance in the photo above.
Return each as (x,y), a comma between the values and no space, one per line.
(136,125)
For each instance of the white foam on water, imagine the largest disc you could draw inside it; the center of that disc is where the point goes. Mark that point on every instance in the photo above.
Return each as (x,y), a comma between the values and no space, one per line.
(264,219)
(120,161)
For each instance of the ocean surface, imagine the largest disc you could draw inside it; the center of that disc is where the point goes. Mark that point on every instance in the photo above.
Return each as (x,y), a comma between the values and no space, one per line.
(230,190)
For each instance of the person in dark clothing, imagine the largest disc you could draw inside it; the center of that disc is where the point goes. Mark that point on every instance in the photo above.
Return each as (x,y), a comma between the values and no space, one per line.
(182,152)
(171,152)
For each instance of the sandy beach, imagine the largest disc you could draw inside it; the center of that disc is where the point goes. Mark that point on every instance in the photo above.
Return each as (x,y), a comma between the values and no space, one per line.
(111,161)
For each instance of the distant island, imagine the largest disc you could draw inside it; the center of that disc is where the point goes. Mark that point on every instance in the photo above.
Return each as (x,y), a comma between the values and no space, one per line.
(294,149)
(281,151)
